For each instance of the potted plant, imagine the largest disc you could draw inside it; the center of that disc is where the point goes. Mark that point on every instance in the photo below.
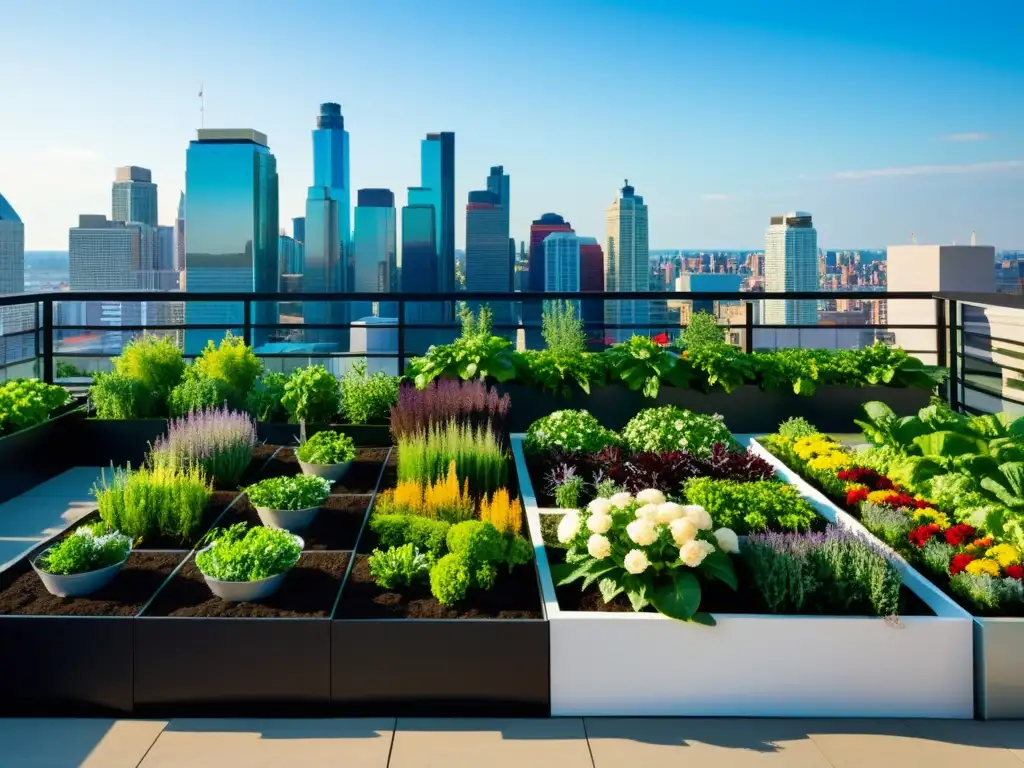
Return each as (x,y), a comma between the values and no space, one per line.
(242,566)
(84,562)
(289,502)
(327,455)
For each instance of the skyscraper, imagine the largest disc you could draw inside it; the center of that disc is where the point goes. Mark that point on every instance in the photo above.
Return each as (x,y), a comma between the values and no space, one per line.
(489,259)
(375,248)
(179,235)
(562,264)
(231,238)
(133,197)
(437,188)
(791,264)
(592,281)
(166,259)
(418,272)
(327,230)
(14,320)
(539,230)
(299,228)
(626,267)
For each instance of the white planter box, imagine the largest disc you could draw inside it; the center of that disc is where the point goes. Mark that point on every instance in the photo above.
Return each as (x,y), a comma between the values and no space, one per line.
(622,664)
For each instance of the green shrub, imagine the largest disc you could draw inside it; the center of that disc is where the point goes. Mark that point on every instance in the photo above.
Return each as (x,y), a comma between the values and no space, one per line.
(399,566)
(450,579)
(89,548)
(797,427)
(115,396)
(367,397)
(289,493)
(27,402)
(749,507)
(155,362)
(569,431)
(477,453)
(264,399)
(233,364)
(426,535)
(659,430)
(198,393)
(239,555)
(569,493)
(477,541)
(312,395)
(327,447)
(703,330)
(147,502)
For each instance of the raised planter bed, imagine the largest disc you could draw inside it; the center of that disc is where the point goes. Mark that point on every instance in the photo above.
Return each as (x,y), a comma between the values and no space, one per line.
(756,665)
(33,455)
(335,528)
(747,409)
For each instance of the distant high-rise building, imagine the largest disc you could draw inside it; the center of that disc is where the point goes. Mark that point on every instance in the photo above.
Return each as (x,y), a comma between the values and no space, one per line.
(232,234)
(166,258)
(327,230)
(592,281)
(299,228)
(626,265)
(790,265)
(418,273)
(290,256)
(133,197)
(375,249)
(489,251)
(539,230)
(15,345)
(179,235)
(562,264)
(437,188)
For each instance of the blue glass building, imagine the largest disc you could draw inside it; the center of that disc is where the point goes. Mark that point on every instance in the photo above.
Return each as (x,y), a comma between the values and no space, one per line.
(231,242)
(437,188)
(375,257)
(299,228)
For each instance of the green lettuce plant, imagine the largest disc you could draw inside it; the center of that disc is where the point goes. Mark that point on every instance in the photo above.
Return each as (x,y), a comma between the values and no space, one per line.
(235,554)
(89,548)
(644,365)
(398,567)
(27,402)
(289,493)
(763,505)
(327,447)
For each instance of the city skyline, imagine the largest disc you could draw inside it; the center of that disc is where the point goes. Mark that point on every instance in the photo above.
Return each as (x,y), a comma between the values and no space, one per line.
(910,126)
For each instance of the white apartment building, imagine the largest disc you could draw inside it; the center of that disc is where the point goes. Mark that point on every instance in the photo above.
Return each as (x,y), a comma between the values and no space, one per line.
(790,265)
(626,265)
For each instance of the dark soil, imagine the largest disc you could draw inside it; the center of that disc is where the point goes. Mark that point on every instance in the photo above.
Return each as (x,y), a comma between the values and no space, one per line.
(336,526)
(260,455)
(361,477)
(309,591)
(515,596)
(136,583)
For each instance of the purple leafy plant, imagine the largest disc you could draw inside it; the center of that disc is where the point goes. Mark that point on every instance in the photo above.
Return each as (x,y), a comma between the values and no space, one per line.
(472,403)
(217,440)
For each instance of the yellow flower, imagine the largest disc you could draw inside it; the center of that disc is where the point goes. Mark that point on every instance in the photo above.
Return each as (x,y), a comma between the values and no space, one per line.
(1004,554)
(815,445)
(929,515)
(877,497)
(855,487)
(833,460)
(983,567)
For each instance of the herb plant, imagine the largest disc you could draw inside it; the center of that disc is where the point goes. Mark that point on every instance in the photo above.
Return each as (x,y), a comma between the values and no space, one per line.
(399,566)
(568,431)
(117,397)
(237,555)
(168,501)
(312,395)
(27,402)
(569,494)
(425,534)
(673,429)
(289,493)
(233,364)
(327,447)
(751,507)
(264,399)
(217,440)
(703,330)
(642,364)
(477,453)
(476,549)
(503,512)
(366,398)
(197,393)
(88,549)
(157,364)
(562,329)
(558,373)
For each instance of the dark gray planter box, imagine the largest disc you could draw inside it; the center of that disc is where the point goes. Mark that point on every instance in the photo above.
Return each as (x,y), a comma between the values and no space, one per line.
(998,675)
(225,666)
(441,668)
(363,435)
(101,442)
(33,455)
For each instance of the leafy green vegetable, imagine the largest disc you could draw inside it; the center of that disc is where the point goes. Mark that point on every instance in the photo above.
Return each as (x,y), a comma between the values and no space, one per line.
(749,507)
(27,402)
(237,555)
(644,365)
(476,354)
(312,395)
(327,447)
(289,493)
(367,397)
(89,548)
(399,566)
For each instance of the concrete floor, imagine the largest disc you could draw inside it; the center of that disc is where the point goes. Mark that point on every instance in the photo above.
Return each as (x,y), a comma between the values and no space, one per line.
(561,743)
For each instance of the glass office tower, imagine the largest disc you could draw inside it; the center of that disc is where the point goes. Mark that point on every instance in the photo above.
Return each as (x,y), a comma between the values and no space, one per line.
(134,196)
(437,174)
(231,240)
(375,259)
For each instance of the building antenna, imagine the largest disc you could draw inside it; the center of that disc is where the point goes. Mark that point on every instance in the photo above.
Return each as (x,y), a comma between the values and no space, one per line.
(974,238)
(202,107)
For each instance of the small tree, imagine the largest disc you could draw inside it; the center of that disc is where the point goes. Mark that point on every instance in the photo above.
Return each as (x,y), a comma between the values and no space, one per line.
(562,329)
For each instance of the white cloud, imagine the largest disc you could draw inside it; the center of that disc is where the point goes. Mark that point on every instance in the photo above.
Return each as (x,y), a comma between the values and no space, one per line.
(932,170)
(966,137)
(716,196)
(72,153)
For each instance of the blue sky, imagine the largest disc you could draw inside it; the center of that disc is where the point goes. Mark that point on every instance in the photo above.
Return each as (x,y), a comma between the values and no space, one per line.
(880,118)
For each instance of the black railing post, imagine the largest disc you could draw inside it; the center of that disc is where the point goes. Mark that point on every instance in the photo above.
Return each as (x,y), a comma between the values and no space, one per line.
(953,341)
(941,333)
(47,340)
(247,321)
(748,327)
(401,335)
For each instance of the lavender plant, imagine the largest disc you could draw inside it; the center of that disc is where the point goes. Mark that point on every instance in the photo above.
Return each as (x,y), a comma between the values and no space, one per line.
(217,440)
(470,403)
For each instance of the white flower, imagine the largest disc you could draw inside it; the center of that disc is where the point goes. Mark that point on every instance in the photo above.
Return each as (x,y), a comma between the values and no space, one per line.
(599,547)
(600,506)
(679,424)
(692,553)
(599,523)
(651,496)
(635,562)
(683,530)
(648,512)
(642,532)
(568,527)
(727,540)
(669,511)
(699,515)
(620,500)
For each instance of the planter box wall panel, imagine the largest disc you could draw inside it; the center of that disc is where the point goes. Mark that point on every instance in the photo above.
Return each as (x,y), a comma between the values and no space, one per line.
(225,666)
(32,456)
(363,435)
(441,668)
(101,442)
(998,676)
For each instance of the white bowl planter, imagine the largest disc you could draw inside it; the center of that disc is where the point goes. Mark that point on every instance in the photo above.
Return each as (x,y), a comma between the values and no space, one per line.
(331,472)
(644,664)
(287,519)
(247,591)
(78,584)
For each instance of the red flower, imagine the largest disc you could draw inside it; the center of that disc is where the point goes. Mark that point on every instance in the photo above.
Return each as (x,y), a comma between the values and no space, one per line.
(661,338)
(856,496)
(883,483)
(868,477)
(923,534)
(958,534)
(959,562)
(1015,572)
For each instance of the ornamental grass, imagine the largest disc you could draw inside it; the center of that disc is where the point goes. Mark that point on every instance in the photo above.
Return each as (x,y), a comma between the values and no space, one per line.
(444,499)
(162,500)
(217,440)
(503,512)
(476,452)
(470,403)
